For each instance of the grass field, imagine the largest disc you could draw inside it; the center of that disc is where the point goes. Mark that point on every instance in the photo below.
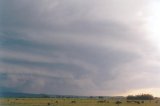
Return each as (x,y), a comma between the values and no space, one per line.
(71,102)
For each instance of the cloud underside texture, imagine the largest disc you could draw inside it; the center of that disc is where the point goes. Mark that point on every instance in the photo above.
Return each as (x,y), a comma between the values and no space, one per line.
(75,47)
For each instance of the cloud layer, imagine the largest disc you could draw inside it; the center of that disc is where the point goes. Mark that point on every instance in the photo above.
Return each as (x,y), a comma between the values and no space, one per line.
(76,47)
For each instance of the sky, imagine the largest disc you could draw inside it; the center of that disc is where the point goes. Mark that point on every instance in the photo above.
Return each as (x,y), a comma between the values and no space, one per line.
(80,47)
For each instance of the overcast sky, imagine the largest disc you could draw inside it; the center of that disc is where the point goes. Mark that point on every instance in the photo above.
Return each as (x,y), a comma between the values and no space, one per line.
(80,47)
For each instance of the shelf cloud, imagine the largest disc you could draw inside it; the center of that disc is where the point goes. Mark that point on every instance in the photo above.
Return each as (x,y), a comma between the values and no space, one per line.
(76,47)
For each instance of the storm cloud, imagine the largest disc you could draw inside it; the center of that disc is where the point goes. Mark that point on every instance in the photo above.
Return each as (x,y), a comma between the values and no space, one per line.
(76,47)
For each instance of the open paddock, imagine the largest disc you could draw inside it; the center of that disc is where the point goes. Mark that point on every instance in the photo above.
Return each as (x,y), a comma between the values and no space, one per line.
(74,102)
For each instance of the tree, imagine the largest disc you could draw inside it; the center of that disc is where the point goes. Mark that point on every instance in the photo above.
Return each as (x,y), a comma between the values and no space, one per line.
(140,97)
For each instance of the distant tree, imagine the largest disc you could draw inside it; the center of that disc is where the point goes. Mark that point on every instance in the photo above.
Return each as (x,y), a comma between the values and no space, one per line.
(140,97)
(118,102)
(130,97)
(91,97)
(100,97)
(45,96)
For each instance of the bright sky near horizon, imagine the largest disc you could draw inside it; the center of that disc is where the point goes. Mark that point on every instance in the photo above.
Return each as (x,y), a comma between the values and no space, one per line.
(80,47)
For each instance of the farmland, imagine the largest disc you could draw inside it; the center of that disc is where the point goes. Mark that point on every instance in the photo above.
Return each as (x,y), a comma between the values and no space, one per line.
(74,102)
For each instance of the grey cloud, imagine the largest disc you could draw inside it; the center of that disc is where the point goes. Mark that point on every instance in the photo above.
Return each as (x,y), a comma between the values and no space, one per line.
(73,47)
(35,83)
(104,61)
(77,71)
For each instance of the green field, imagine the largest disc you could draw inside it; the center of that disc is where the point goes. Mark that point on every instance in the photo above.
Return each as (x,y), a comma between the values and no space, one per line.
(72,102)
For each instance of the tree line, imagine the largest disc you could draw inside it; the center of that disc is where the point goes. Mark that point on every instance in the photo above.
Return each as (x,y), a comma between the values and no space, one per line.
(140,97)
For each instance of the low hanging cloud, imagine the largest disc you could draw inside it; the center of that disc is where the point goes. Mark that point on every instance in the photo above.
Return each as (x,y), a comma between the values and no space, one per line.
(76,47)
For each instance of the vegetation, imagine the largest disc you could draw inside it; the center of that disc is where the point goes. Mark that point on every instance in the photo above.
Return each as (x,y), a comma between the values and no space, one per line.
(22,99)
(76,102)
(140,97)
